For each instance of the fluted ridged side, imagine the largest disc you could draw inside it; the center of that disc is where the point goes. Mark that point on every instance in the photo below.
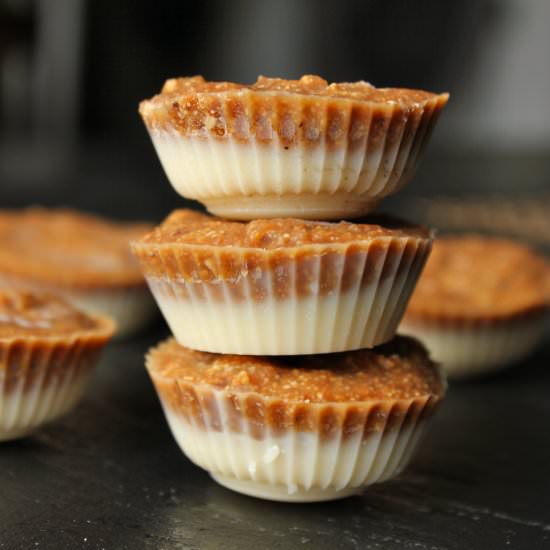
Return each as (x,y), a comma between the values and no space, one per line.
(41,379)
(335,299)
(342,161)
(346,448)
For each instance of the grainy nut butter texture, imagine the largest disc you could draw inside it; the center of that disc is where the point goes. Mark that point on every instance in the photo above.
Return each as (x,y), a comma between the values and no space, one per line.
(68,248)
(400,369)
(480,278)
(23,313)
(296,111)
(283,392)
(279,258)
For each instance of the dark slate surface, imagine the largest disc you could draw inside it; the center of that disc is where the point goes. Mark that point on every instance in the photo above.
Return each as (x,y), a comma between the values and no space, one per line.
(109,476)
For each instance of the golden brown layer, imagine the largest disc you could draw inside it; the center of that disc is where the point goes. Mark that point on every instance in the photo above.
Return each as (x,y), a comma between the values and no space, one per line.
(480,279)
(30,360)
(400,369)
(193,228)
(68,248)
(328,392)
(308,85)
(41,337)
(26,314)
(308,110)
(279,258)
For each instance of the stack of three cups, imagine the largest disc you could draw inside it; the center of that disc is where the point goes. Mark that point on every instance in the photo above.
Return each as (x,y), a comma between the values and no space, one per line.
(285,379)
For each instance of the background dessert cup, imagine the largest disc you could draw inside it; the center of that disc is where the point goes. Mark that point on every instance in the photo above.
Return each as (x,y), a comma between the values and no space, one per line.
(289,148)
(298,428)
(47,353)
(84,258)
(281,287)
(480,305)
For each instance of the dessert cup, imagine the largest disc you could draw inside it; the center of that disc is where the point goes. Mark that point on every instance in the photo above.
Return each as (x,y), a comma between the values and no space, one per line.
(298,429)
(283,286)
(48,350)
(83,258)
(480,305)
(289,148)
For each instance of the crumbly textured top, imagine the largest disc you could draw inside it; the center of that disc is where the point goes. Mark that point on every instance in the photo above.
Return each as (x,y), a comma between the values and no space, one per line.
(308,111)
(475,277)
(400,369)
(26,314)
(193,228)
(307,85)
(66,247)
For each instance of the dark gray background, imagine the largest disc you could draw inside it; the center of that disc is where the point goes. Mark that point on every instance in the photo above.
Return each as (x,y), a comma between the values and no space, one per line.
(109,475)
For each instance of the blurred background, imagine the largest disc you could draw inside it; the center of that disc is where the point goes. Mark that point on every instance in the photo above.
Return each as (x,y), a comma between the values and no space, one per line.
(72,73)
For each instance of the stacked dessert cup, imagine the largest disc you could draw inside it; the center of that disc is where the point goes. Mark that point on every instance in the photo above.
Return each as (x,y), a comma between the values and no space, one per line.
(285,379)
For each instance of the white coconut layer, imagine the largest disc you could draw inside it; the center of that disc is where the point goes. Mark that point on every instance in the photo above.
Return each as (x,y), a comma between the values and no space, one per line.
(247,181)
(23,410)
(465,351)
(296,466)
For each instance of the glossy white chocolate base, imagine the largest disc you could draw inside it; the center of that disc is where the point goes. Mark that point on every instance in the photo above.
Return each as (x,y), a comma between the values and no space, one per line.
(247,181)
(308,206)
(22,411)
(280,492)
(476,350)
(296,466)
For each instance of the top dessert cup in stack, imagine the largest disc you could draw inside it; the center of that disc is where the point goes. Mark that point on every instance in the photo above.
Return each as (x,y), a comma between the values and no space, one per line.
(289,148)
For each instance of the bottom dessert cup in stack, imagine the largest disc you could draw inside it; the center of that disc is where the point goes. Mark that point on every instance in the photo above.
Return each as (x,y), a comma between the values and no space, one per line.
(298,428)
(48,350)
(480,305)
(281,286)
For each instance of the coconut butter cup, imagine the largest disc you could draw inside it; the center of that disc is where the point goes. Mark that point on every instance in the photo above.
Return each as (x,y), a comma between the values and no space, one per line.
(48,351)
(289,148)
(480,305)
(284,286)
(132,307)
(84,258)
(298,428)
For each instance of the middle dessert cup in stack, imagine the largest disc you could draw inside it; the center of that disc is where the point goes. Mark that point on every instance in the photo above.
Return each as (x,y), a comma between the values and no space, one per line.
(281,286)
(285,379)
